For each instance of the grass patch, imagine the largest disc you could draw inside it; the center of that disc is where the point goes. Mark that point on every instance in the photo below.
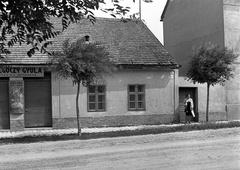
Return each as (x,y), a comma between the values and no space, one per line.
(142,131)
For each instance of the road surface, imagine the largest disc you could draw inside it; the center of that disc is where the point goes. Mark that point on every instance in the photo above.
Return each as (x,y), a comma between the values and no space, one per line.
(209,149)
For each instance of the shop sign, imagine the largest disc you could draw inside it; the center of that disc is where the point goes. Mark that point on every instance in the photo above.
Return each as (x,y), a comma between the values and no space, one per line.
(9,71)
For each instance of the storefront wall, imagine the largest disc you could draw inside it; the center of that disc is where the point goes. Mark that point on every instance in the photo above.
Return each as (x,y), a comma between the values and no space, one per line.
(159,100)
(25,97)
(48,101)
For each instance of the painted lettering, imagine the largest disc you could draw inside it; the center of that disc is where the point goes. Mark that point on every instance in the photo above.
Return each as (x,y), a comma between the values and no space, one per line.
(39,70)
(21,72)
(18,69)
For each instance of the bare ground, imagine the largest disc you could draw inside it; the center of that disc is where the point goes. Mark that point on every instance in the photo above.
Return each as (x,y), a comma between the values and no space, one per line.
(209,149)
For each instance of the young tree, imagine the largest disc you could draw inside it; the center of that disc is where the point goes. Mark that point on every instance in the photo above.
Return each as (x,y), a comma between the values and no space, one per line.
(211,64)
(85,63)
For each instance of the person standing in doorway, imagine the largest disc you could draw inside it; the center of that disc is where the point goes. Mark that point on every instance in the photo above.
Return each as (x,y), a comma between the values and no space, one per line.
(188,104)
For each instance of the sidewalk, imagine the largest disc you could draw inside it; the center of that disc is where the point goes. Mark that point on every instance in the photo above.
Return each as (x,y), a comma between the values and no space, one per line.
(130,130)
(58,132)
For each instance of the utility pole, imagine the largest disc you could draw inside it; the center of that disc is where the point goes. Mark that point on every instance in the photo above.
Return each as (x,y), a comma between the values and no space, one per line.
(140,10)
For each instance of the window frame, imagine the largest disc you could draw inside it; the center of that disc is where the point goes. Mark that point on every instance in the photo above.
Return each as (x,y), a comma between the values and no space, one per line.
(136,93)
(96,94)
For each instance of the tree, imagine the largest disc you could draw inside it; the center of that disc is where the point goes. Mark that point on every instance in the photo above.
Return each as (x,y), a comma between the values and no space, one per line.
(85,63)
(29,21)
(211,64)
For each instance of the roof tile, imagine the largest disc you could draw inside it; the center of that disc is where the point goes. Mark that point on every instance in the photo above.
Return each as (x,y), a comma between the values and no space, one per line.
(128,42)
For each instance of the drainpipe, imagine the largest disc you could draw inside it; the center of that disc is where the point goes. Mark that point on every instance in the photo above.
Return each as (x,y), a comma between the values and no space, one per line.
(174,91)
(59,91)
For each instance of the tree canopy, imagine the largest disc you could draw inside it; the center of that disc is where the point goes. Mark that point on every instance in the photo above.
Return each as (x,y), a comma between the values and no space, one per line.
(28,21)
(211,64)
(85,63)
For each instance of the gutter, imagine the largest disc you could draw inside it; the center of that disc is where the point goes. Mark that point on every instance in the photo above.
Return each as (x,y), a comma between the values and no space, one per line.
(144,67)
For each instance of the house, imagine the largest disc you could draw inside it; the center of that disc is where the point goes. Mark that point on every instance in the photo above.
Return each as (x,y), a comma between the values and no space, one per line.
(188,24)
(142,91)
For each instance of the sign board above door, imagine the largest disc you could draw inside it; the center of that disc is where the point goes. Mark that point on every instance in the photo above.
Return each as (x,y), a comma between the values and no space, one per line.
(9,71)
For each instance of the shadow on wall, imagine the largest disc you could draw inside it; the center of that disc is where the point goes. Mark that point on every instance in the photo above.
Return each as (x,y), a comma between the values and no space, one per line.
(119,82)
(151,80)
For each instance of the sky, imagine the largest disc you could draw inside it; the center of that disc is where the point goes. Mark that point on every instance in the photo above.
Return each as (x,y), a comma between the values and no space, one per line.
(151,14)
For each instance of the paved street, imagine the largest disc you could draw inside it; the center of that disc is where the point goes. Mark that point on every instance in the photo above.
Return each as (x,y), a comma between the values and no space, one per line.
(210,149)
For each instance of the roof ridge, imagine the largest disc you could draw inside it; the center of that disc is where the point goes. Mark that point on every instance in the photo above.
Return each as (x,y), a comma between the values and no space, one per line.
(117,19)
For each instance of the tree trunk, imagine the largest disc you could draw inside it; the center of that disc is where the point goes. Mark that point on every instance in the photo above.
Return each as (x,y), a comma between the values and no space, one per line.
(208,87)
(77,109)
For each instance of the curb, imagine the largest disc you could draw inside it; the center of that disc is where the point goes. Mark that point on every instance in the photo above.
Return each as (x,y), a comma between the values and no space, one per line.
(117,131)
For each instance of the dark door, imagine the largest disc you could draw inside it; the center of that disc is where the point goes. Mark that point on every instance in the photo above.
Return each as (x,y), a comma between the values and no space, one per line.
(183,91)
(4,105)
(38,112)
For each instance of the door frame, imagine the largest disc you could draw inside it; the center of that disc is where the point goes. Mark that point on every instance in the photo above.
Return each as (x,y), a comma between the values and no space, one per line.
(6,80)
(195,99)
(48,78)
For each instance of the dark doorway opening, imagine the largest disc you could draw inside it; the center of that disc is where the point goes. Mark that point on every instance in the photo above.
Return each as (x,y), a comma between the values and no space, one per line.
(183,91)
(4,104)
(38,105)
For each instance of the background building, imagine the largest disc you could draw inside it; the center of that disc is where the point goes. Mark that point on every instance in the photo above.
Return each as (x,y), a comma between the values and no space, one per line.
(188,24)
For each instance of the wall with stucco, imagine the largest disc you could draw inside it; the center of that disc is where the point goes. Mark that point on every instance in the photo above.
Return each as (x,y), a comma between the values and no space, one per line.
(188,24)
(159,92)
(217,98)
(232,41)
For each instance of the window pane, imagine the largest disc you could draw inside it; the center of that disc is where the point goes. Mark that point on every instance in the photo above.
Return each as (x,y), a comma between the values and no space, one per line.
(132,88)
(141,97)
(140,105)
(91,89)
(101,98)
(91,99)
(101,89)
(132,105)
(101,106)
(132,98)
(140,88)
(92,106)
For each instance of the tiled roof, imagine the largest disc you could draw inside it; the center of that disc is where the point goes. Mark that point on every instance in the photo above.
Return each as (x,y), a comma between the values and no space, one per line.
(129,43)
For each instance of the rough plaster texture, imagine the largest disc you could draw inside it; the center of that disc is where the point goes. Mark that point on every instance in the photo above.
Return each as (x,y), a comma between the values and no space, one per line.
(159,92)
(212,116)
(232,40)
(16,122)
(125,120)
(17,125)
(217,98)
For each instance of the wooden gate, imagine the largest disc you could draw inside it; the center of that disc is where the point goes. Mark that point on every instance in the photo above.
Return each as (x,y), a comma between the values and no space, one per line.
(38,108)
(4,105)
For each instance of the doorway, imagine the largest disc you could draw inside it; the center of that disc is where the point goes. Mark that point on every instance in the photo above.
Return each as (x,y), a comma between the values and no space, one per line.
(38,112)
(4,104)
(183,91)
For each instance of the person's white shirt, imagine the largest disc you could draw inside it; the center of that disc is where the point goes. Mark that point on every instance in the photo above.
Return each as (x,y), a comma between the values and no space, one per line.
(188,100)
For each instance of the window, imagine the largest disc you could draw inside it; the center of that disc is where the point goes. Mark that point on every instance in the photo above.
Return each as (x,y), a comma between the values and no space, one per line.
(96,98)
(136,97)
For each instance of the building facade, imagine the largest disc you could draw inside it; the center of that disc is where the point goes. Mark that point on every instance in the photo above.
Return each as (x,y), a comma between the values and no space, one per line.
(141,91)
(188,24)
